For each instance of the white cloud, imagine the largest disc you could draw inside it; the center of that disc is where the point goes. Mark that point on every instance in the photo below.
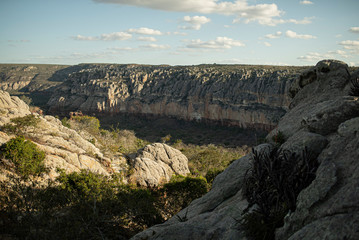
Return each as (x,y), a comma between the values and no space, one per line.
(147,39)
(195,22)
(180,33)
(145,31)
(275,35)
(155,46)
(306,2)
(115,36)
(354,29)
(261,13)
(218,43)
(267,44)
(350,44)
(292,34)
(315,56)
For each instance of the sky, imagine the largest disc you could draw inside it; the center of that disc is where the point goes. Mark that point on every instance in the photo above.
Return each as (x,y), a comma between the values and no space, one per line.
(179,32)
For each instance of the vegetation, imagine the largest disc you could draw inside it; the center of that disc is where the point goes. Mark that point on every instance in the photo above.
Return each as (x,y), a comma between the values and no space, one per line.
(208,158)
(26,158)
(273,184)
(19,125)
(279,138)
(354,90)
(86,205)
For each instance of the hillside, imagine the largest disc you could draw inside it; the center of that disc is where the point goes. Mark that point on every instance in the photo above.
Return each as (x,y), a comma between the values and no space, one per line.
(307,179)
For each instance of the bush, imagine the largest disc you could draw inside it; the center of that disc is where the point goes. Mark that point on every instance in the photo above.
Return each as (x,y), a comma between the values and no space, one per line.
(20,124)
(90,123)
(354,90)
(181,191)
(273,184)
(24,154)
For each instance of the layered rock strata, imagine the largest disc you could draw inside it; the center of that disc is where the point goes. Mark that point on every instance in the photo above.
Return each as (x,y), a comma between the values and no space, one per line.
(244,96)
(323,119)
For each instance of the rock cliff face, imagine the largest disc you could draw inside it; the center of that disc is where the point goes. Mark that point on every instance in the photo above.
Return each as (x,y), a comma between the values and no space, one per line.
(246,96)
(67,149)
(324,119)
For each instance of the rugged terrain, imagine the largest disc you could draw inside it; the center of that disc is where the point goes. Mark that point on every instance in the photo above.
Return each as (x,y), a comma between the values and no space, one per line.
(240,95)
(73,151)
(323,119)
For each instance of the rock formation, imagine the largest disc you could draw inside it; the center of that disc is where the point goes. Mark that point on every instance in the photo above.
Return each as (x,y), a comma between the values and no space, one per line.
(156,164)
(246,96)
(69,150)
(324,119)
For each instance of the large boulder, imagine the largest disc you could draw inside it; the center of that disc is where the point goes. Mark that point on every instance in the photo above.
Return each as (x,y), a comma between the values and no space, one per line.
(157,163)
(324,120)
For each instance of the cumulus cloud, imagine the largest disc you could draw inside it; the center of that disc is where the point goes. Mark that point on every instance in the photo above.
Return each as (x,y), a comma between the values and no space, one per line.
(147,39)
(244,12)
(292,34)
(306,2)
(145,31)
(155,46)
(275,35)
(218,43)
(350,44)
(315,56)
(354,29)
(195,22)
(115,36)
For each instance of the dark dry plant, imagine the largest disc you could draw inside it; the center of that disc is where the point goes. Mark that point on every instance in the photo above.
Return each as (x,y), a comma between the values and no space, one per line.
(354,90)
(273,184)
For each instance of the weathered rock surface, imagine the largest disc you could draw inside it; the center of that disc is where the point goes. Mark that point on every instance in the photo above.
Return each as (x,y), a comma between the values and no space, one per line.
(156,164)
(246,96)
(64,147)
(329,207)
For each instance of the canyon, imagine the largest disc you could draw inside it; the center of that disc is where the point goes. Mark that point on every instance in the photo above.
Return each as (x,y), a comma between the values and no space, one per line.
(239,95)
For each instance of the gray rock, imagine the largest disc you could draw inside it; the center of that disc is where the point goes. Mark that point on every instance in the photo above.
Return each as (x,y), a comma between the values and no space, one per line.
(323,119)
(156,164)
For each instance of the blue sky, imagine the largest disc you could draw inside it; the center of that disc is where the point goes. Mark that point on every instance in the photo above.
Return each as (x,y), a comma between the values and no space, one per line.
(179,32)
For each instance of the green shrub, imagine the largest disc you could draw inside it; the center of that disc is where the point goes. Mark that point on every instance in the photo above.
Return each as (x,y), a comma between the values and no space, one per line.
(90,123)
(181,191)
(212,174)
(24,154)
(20,124)
(273,184)
(65,122)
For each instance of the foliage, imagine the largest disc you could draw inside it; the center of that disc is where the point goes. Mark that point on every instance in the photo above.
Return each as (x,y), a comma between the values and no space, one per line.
(19,125)
(279,138)
(201,159)
(80,205)
(354,90)
(65,122)
(181,191)
(273,184)
(27,158)
(90,123)
(212,174)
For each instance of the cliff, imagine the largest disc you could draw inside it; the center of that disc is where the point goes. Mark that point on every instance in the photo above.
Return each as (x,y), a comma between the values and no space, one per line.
(245,96)
(323,120)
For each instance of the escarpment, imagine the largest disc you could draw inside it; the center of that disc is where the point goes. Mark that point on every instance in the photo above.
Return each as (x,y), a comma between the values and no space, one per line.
(323,120)
(245,96)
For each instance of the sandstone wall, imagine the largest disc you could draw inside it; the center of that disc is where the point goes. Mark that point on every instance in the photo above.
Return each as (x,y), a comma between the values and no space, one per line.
(245,96)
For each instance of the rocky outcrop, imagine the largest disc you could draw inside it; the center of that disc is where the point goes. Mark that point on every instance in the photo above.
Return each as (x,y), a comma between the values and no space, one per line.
(324,119)
(246,96)
(11,107)
(64,147)
(156,164)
